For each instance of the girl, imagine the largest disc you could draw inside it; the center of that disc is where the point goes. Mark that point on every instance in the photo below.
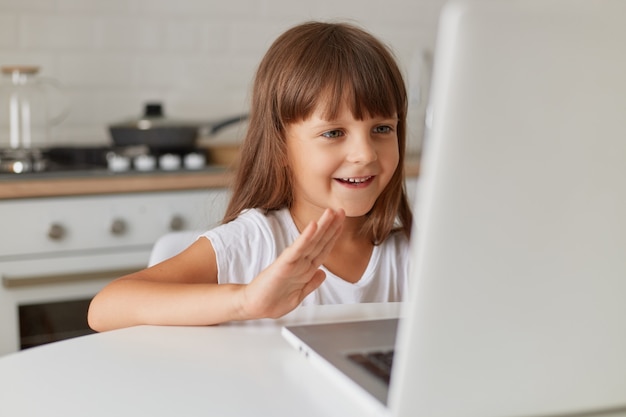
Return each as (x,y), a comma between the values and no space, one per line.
(318,214)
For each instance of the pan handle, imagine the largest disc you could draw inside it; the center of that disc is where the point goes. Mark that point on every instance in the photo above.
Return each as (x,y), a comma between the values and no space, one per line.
(213,129)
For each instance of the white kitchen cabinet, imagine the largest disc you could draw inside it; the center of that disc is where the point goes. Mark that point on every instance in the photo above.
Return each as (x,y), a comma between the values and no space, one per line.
(60,249)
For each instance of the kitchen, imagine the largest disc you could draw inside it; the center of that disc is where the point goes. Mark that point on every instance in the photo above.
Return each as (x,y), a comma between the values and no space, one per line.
(67,234)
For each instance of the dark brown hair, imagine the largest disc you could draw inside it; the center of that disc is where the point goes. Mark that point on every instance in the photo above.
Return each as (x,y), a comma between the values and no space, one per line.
(304,67)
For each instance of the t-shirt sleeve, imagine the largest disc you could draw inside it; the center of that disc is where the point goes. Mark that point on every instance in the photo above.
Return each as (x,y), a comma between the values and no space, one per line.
(243,247)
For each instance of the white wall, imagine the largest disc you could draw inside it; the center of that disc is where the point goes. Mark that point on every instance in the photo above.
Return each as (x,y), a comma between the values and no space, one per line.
(196,56)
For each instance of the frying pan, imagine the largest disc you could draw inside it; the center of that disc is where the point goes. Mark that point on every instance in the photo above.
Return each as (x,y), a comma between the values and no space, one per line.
(159,132)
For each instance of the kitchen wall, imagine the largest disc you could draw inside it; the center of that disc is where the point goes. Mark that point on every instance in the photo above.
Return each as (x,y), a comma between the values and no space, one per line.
(196,56)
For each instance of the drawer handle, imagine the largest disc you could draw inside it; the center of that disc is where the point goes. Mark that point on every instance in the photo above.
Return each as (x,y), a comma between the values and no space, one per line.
(118,227)
(177,223)
(56,231)
(35,280)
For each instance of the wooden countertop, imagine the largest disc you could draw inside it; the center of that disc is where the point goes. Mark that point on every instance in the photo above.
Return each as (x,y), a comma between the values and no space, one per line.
(112,184)
(41,185)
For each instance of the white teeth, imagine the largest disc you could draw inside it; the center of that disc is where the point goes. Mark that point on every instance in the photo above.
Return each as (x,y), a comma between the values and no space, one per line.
(356,180)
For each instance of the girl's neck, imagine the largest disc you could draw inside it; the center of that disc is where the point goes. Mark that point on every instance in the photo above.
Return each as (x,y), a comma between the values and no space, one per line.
(352,226)
(352,251)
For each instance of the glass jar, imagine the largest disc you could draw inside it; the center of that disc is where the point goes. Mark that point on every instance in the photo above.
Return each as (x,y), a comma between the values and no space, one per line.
(26,107)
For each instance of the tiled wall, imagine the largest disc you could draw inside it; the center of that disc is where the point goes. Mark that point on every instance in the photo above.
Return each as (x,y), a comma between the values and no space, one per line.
(196,56)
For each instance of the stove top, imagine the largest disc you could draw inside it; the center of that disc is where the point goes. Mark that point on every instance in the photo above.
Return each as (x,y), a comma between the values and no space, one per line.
(99,159)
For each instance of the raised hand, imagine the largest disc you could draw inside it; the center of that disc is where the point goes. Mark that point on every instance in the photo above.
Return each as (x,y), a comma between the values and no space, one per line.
(295,273)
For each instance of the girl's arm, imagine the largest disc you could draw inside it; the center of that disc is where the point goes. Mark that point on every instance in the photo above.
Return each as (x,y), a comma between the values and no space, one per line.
(183,290)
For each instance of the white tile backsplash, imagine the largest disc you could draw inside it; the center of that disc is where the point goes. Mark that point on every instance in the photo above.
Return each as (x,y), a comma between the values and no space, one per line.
(94,6)
(60,32)
(8,30)
(128,33)
(27,5)
(196,56)
(89,70)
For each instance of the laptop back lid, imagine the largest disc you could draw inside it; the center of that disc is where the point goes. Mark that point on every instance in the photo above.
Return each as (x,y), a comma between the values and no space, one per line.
(518,294)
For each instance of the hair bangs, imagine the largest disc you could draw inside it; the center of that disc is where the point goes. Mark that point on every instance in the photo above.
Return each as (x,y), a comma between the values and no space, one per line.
(365,93)
(343,70)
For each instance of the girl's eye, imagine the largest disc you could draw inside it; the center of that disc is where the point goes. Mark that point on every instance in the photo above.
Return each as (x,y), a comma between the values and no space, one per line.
(382,129)
(332,134)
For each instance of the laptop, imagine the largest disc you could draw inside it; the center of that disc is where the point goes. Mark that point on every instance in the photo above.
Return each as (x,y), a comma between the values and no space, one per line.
(517,299)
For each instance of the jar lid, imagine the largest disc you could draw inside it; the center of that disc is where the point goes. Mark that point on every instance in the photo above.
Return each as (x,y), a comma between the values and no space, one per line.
(24,69)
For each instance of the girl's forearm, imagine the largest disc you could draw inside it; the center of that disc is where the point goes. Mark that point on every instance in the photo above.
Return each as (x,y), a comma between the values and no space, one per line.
(130,302)
(184,291)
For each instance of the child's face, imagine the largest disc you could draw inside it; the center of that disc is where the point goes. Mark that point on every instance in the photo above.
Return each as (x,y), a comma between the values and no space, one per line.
(342,163)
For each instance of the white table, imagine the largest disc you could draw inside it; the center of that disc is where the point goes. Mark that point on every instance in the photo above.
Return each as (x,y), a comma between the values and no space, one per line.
(238,369)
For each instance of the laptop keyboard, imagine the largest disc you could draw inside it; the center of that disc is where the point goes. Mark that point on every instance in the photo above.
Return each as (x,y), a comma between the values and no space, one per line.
(376,362)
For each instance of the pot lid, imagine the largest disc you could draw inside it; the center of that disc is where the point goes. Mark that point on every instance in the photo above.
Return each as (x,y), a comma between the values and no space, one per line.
(154,117)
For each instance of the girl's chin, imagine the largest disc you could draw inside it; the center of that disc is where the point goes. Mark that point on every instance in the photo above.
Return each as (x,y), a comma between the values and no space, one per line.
(357,211)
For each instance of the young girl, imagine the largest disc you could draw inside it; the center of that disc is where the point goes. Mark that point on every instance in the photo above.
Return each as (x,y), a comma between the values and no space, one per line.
(318,214)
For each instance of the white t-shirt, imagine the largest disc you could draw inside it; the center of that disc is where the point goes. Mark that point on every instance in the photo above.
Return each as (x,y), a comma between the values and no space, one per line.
(247,245)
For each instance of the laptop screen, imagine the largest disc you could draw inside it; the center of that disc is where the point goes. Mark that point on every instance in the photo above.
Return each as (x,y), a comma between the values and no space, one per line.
(518,304)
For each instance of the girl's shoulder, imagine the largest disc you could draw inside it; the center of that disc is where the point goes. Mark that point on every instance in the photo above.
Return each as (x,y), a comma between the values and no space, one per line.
(396,239)
(273,220)
(248,244)
(256,225)
(396,248)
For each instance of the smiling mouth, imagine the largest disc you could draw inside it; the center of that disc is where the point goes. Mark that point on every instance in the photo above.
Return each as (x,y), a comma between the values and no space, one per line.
(356,180)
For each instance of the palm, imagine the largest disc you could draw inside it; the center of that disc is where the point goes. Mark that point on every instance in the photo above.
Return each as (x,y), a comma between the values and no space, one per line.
(295,273)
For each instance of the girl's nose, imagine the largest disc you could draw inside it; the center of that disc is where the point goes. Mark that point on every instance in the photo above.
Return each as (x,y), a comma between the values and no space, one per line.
(361,150)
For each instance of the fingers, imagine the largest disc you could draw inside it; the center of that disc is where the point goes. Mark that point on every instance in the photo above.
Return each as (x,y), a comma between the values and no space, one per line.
(295,273)
(316,280)
(328,238)
(319,237)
